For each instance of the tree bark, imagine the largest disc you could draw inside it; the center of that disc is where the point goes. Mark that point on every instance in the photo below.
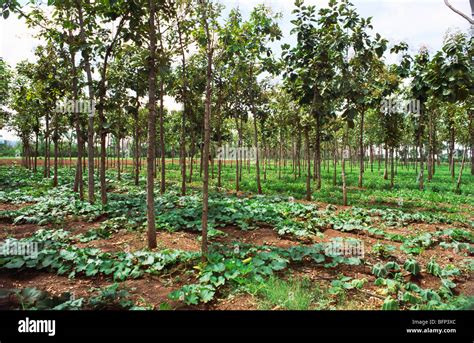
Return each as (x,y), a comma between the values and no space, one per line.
(137,140)
(361,149)
(55,142)
(257,162)
(471,138)
(150,199)
(90,127)
(182,144)
(46,148)
(207,116)
(392,169)
(458,185)
(308,171)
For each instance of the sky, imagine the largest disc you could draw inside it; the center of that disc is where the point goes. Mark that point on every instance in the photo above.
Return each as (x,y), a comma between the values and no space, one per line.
(417,22)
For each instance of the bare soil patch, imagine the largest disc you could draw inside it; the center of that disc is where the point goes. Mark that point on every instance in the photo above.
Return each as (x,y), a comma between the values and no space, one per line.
(7,206)
(147,291)
(17,231)
(259,236)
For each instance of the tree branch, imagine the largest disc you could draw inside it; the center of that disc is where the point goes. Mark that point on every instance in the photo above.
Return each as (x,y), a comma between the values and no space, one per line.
(465,16)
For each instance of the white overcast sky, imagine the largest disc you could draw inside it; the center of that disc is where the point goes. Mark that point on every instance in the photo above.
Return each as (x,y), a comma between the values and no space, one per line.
(417,22)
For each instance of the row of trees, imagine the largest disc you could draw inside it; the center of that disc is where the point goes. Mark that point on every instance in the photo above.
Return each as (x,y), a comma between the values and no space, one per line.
(330,95)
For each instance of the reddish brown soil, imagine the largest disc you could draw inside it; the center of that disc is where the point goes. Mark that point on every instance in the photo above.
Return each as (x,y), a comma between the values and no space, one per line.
(147,291)
(133,241)
(178,240)
(260,236)
(12,207)
(24,230)
(50,282)
(238,302)
(17,231)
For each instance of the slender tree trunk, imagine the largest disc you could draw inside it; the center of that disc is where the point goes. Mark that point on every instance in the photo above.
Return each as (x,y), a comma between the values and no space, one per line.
(308,160)
(257,162)
(103,157)
(334,177)
(150,199)
(119,174)
(237,176)
(317,157)
(420,143)
(182,144)
(241,144)
(219,135)
(343,172)
(137,143)
(379,158)
(452,165)
(55,142)
(371,147)
(392,169)
(431,147)
(361,146)
(191,164)
(46,148)
(36,153)
(280,153)
(458,185)
(90,128)
(162,126)
(207,117)
(471,138)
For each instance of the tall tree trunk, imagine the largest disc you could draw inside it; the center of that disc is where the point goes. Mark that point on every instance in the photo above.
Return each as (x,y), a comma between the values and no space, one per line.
(237,169)
(308,161)
(431,146)
(317,156)
(137,141)
(90,127)
(36,153)
(420,144)
(458,184)
(379,157)
(343,176)
(119,173)
(452,165)
(103,157)
(334,177)
(162,141)
(162,124)
(257,162)
(207,117)
(280,153)
(46,148)
(371,147)
(219,135)
(471,138)
(150,199)
(392,168)
(55,142)
(361,147)
(192,152)
(343,170)
(182,144)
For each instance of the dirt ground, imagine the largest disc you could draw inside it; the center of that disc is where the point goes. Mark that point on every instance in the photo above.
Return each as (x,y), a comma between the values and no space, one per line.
(153,290)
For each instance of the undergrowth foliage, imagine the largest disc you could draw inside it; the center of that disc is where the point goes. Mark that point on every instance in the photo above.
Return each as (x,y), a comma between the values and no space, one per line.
(232,266)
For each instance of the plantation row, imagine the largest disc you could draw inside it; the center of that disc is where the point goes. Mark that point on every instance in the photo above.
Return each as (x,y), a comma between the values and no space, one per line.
(391,269)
